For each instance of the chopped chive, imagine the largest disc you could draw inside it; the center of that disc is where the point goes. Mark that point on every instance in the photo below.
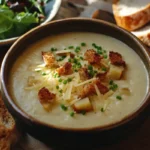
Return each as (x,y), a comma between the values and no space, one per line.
(99,52)
(72,114)
(57,87)
(71,47)
(83,44)
(104,51)
(104,69)
(111,82)
(61,58)
(75,60)
(113,86)
(76,70)
(90,67)
(65,82)
(102,109)
(118,97)
(93,44)
(38,71)
(60,80)
(69,60)
(63,107)
(105,56)
(95,71)
(43,73)
(53,49)
(91,72)
(99,47)
(77,50)
(69,79)
(81,57)
(83,112)
(60,91)
(79,65)
(56,75)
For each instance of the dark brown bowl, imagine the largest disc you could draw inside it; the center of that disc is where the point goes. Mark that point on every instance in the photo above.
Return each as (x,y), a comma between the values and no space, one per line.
(44,131)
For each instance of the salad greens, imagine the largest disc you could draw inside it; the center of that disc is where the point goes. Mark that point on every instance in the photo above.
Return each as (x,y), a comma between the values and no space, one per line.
(13,23)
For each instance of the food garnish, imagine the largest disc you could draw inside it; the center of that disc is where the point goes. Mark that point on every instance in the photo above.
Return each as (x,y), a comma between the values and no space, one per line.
(75,83)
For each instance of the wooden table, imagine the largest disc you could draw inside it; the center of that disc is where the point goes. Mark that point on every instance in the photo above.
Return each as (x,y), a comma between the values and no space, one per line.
(140,140)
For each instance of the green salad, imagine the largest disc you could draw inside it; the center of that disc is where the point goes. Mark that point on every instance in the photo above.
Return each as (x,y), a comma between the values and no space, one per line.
(19,16)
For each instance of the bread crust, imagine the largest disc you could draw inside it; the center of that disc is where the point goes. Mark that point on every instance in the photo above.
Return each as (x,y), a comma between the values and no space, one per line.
(133,21)
(145,38)
(8,134)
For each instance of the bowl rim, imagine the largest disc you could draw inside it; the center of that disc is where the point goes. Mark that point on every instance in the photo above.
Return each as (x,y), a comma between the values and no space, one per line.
(31,119)
(50,17)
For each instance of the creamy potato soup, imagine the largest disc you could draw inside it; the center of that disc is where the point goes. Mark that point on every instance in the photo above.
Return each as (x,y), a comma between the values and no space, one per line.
(78,80)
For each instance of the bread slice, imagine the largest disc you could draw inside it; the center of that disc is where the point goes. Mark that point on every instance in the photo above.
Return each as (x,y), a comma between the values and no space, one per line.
(131,14)
(143,34)
(8,132)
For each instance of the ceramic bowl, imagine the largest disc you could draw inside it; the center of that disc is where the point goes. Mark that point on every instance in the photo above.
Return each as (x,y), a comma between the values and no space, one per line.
(47,132)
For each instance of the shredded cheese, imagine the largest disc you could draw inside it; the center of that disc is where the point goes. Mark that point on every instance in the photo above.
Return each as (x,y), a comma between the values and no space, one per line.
(97,91)
(85,82)
(74,101)
(67,94)
(108,94)
(63,51)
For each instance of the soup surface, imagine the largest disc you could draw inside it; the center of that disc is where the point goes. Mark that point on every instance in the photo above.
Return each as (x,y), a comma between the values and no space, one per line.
(78,80)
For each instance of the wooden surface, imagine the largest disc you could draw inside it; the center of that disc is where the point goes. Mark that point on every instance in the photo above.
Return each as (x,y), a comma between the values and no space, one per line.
(140,140)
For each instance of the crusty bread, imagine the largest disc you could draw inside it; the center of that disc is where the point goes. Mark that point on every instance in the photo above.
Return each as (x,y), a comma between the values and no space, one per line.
(143,34)
(7,128)
(131,14)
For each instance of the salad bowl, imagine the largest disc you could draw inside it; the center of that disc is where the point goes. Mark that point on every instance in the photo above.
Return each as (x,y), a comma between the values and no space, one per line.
(48,12)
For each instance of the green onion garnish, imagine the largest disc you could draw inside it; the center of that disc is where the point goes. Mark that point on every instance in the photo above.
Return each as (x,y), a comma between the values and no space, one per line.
(60,80)
(77,50)
(102,109)
(81,57)
(71,47)
(83,112)
(65,82)
(69,79)
(90,67)
(60,91)
(53,49)
(113,86)
(63,107)
(118,97)
(72,114)
(83,44)
(104,69)
(57,87)
(105,56)
(43,73)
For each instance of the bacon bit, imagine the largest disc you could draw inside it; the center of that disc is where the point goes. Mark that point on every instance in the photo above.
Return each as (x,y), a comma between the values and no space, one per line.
(116,59)
(45,96)
(89,89)
(66,69)
(92,57)
(49,59)
(101,76)
(102,88)
(72,55)
(84,75)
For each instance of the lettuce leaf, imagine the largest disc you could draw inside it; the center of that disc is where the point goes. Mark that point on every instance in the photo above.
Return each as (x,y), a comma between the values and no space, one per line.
(12,25)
